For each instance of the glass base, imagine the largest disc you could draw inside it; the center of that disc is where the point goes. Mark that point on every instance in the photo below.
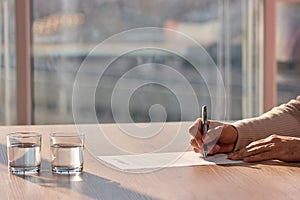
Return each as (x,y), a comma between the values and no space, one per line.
(66,170)
(24,170)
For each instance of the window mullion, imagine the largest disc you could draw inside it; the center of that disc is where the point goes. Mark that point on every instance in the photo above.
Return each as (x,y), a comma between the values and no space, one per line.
(24,72)
(270,69)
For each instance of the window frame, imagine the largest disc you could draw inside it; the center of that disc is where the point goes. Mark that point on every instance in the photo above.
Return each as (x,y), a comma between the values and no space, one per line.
(23,62)
(270,67)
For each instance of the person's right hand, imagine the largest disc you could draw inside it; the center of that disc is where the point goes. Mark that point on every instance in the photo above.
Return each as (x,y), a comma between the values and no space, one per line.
(221,137)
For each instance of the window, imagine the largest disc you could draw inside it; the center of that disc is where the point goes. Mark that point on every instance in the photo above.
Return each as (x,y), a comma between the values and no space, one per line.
(64,35)
(7,63)
(288,50)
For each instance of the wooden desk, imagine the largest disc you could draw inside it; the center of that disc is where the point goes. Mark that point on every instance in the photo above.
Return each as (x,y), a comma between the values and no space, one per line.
(98,181)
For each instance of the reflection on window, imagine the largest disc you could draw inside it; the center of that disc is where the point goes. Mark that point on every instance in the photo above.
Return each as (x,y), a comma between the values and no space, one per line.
(64,33)
(288,51)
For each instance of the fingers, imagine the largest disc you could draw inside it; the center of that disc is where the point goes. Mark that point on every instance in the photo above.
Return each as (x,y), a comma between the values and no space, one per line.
(196,144)
(225,148)
(195,128)
(274,147)
(225,134)
(210,139)
(257,144)
(251,150)
(260,157)
(218,139)
(225,140)
(216,148)
(213,135)
(271,138)
(196,150)
(221,148)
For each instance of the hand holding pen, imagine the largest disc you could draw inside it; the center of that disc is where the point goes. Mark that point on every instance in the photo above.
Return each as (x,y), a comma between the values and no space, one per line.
(224,136)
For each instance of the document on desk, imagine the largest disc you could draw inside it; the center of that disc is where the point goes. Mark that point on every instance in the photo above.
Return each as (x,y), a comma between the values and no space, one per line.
(161,160)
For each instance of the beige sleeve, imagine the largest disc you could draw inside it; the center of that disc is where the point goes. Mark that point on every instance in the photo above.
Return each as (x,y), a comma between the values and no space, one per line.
(281,120)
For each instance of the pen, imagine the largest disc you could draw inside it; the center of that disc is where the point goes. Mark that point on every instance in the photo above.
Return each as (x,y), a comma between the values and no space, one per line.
(204,128)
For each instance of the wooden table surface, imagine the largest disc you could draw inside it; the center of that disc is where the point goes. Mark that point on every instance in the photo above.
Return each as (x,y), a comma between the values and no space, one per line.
(267,180)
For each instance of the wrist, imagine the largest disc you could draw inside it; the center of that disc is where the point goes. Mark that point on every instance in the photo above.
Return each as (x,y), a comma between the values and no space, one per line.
(232,134)
(236,133)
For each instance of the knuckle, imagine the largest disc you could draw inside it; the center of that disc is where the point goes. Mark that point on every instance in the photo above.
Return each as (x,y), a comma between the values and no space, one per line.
(274,138)
(239,154)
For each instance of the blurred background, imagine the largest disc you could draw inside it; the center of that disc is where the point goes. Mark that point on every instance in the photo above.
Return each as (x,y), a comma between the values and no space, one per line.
(64,32)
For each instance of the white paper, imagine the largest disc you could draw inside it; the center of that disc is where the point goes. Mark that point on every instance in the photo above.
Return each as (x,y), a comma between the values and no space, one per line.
(160,160)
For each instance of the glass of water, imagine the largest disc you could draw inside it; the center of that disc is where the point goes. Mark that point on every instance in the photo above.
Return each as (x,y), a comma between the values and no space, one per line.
(67,152)
(24,152)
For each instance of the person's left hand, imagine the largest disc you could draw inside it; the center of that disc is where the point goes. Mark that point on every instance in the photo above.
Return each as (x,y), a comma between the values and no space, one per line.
(274,147)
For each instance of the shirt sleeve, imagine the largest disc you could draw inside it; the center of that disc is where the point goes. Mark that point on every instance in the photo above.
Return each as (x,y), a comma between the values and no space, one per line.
(281,120)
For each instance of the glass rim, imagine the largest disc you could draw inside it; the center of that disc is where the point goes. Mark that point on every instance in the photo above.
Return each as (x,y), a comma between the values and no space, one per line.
(24,134)
(67,134)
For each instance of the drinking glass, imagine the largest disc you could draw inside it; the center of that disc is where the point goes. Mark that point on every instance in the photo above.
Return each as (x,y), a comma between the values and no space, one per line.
(24,152)
(67,152)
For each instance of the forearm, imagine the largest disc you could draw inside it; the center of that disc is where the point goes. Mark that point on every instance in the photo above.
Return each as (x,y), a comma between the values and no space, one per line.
(281,120)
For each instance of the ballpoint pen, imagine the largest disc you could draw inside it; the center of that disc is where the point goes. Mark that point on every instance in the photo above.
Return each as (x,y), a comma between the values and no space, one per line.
(204,128)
